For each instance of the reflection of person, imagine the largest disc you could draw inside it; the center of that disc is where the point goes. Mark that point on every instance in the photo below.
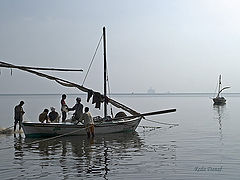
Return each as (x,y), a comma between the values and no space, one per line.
(88,122)
(18,115)
(78,107)
(53,115)
(44,116)
(64,107)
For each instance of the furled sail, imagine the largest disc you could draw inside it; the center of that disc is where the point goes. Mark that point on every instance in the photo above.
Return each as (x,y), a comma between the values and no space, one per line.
(222,90)
(67,84)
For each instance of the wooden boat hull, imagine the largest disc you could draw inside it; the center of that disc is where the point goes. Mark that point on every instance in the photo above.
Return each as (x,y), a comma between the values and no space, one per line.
(219,100)
(36,129)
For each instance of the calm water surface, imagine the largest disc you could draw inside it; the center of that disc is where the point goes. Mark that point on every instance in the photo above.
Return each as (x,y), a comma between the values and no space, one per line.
(205,145)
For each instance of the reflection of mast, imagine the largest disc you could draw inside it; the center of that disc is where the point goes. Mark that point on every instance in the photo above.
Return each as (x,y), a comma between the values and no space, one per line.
(106,159)
(219,116)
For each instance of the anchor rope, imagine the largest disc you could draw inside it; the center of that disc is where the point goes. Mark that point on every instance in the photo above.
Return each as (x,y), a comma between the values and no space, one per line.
(161,122)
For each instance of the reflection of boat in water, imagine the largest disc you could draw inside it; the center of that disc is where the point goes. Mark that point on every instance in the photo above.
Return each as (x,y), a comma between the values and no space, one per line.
(128,140)
(79,156)
(219,100)
(120,123)
(83,155)
(219,114)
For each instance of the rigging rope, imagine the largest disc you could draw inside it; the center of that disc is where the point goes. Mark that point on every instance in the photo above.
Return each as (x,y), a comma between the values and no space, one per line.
(216,88)
(92,59)
(109,92)
(161,122)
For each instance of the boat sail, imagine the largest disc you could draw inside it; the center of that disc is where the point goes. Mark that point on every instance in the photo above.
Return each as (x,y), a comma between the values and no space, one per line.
(120,123)
(219,100)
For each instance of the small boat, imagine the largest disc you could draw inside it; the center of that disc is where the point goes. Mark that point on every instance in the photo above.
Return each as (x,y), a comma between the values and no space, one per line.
(103,125)
(219,100)
(35,129)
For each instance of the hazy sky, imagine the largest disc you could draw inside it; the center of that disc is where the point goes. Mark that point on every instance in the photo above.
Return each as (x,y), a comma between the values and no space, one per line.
(169,45)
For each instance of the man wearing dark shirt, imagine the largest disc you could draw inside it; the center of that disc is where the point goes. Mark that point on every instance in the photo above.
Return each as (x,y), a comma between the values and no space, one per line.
(53,115)
(18,115)
(64,108)
(78,108)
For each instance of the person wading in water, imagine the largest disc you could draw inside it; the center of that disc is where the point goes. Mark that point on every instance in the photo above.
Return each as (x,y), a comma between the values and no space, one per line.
(88,122)
(18,115)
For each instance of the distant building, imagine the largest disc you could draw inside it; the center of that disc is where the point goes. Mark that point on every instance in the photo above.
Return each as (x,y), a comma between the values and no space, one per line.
(151,91)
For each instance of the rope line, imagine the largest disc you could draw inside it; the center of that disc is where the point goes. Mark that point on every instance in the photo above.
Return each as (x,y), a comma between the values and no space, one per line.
(92,60)
(109,93)
(161,122)
(6,129)
(154,127)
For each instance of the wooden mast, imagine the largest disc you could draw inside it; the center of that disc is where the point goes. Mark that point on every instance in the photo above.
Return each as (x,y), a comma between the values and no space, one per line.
(219,86)
(105,72)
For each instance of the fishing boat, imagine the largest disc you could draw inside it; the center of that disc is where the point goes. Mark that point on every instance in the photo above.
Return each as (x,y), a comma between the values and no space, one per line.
(121,122)
(220,100)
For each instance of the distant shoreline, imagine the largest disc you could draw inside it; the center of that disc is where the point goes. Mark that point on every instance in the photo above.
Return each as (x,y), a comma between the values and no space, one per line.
(129,94)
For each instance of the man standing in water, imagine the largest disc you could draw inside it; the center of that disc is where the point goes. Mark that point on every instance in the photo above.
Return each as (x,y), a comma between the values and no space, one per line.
(18,115)
(64,107)
(88,122)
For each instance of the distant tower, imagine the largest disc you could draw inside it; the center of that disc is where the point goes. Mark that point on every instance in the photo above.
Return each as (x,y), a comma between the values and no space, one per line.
(151,91)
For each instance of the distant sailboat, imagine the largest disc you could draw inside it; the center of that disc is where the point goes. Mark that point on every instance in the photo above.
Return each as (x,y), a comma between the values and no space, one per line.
(219,100)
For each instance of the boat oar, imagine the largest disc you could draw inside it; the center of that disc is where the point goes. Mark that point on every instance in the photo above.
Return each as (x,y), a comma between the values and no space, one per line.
(147,114)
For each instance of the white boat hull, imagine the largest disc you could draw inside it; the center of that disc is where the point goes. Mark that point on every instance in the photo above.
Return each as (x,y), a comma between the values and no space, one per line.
(35,129)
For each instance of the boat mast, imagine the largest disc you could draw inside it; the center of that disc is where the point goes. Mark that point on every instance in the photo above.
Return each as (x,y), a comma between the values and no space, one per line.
(105,72)
(219,86)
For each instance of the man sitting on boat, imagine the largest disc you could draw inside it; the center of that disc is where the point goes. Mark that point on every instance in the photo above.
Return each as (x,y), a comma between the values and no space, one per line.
(88,122)
(78,107)
(53,116)
(44,116)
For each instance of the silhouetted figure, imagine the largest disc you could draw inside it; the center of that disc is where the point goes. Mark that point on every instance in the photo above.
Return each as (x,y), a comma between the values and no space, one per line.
(18,115)
(53,115)
(78,108)
(88,122)
(44,116)
(64,107)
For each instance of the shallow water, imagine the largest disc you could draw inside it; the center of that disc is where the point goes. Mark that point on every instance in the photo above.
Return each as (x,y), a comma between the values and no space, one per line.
(205,145)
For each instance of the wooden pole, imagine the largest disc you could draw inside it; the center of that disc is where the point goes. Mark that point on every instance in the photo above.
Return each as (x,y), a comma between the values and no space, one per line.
(3,64)
(147,114)
(105,72)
